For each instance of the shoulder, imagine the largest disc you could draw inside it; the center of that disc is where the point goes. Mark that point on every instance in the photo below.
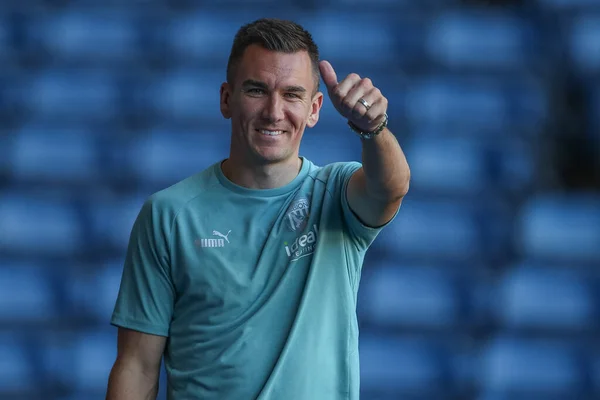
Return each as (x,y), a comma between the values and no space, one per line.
(171,200)
(336,172)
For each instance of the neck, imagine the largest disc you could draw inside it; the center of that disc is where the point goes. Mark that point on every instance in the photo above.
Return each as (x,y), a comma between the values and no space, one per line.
(267,176)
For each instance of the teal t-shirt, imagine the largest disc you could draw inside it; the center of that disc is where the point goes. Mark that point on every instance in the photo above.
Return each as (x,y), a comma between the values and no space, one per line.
(255,289)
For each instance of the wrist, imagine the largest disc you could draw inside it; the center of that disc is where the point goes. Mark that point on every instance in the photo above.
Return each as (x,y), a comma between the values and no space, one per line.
(366,135)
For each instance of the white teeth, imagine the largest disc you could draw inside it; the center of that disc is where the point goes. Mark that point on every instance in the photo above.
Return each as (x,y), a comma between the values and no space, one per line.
(270,133)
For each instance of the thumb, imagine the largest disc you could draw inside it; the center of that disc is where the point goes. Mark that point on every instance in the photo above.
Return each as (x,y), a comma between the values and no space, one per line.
(328,74)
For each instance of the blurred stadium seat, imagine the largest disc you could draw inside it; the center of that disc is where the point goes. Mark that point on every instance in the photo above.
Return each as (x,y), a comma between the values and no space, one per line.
(111,220)
(445,165)
(38,153)
(584,42)
(469,166)
(538,369)
(546,299)
(17,372)
(71,96)
(439,101)
(393,367)
(336,32)
(568,5)
(396,296)
(5,44)
(165,156)
(91,291)
(68,36)
(434,230)
(206,38)
(188,95)
(37,226)
(561,228)
(484,40)
(94,354)
(26,294)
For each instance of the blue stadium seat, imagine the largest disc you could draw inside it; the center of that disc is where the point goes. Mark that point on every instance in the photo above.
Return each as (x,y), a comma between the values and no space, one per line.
(94,355)
(111,220)
(595,372)
(446,165)
(5,43)
(400,365)
(95,293)
(399,296)
(439,100)
(87,35)
(433,230)
(188,95)
(566,5)
(54,355)
(480,40)
(169,155)
(5,153)
(206,37)
(561,228)
(341,35)
(536,368)
(584,42)
(395,5)
(39,226)
(67,96)
(55,155)
(16,367)
(25,294)
(457,103)
(546,299)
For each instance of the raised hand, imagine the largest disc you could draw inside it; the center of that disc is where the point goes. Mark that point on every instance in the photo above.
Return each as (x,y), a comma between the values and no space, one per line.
(355,98)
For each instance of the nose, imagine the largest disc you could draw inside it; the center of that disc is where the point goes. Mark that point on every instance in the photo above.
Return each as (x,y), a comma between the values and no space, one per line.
(273,110)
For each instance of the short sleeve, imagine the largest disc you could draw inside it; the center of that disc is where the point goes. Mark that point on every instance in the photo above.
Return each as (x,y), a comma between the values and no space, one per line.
(362,234)
(146,294)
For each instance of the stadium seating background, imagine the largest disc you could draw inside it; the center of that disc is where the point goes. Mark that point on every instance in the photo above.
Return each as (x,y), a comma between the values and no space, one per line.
(486,286)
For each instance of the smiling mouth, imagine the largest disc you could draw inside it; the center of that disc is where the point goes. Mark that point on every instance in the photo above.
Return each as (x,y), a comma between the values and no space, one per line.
(268,132)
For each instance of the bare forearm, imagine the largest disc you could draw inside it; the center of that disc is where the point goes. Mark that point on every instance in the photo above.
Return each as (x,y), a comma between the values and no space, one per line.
(129,383)
(386,169)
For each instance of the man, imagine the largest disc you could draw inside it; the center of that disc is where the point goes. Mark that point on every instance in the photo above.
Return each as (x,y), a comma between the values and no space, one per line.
(245,275)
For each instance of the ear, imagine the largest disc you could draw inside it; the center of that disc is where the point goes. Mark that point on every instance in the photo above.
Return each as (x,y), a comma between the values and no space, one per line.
(317,103)
(225,96)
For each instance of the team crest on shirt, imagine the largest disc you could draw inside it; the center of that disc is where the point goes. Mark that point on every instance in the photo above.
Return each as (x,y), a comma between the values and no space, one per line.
(296,219)
(297,214)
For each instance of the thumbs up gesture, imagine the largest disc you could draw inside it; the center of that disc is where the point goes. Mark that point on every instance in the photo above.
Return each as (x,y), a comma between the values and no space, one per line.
(355,98)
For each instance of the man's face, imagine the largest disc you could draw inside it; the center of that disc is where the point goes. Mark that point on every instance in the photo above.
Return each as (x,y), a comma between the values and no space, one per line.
(270,103)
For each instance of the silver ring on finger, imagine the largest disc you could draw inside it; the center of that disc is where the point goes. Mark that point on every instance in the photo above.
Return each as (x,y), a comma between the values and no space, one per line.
(364,103)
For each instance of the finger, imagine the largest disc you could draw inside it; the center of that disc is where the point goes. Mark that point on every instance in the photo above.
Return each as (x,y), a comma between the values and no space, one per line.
(328,74)
(375,115)
(362,90)
(350,90)
(377,107)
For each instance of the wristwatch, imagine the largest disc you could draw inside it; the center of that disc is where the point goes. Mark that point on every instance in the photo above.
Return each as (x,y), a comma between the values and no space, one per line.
(372,134)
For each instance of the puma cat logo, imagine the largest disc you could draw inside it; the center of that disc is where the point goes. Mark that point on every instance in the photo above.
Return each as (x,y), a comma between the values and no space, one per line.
(219,234)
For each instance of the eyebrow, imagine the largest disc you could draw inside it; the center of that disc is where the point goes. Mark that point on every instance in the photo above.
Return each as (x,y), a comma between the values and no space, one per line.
(262,85)
(253,83)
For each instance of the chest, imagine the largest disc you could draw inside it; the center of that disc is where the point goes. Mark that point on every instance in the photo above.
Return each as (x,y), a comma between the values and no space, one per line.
(239,254)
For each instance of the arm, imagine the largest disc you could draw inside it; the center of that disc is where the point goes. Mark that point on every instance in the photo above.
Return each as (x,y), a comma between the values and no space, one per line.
(134,376)
(375,191)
